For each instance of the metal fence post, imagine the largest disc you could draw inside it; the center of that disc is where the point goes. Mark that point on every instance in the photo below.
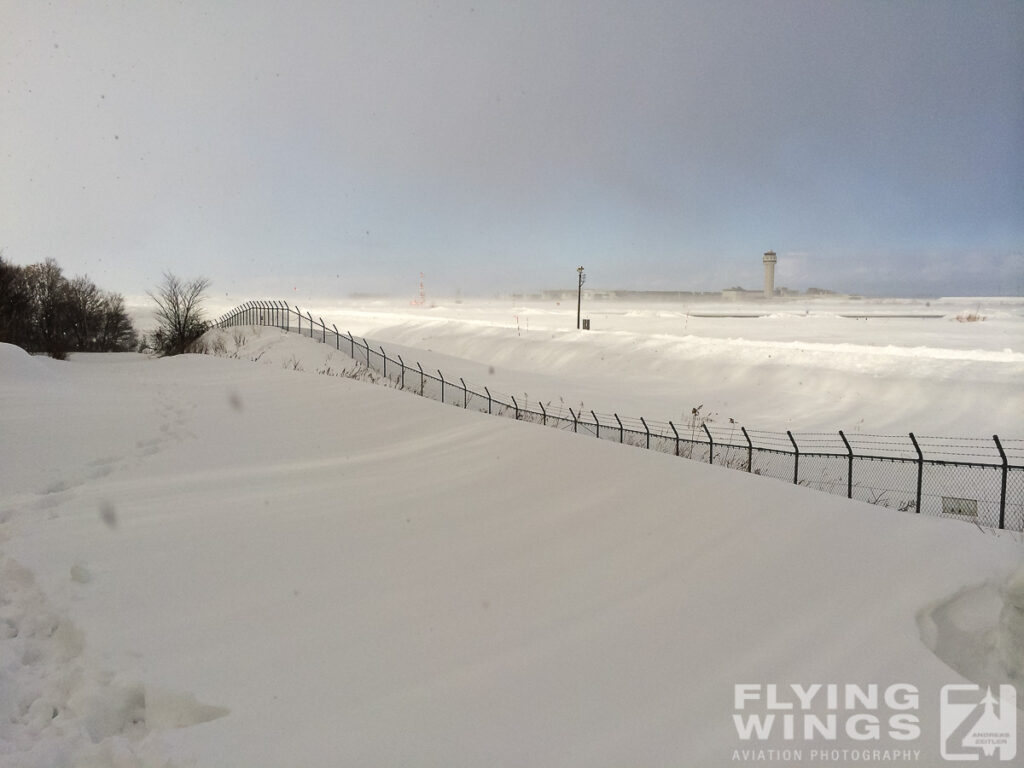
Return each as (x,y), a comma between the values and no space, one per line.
(920,471)
(488,399)
(310,317)
(337,337)
(711,442)
(796,458)
(597,424)
(323,338)
(1002,490)
(622,434)
(676,433)
(750,450)
(288,318)
(575,420)
(299,314)
(384,362)
(442,383)
(515,405)
(401,362)
(465,393)
(423,378)
(849,466)
(544,416)
(648,431)
(351,345)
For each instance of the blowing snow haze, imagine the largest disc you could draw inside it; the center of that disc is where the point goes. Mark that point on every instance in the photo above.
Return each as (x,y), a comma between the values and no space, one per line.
(327,149)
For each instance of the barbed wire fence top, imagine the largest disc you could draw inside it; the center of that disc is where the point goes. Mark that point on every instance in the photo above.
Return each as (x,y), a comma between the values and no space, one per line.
(976,480)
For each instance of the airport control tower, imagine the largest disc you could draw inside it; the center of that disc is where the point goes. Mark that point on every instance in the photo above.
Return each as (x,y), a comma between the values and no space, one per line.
(769,274)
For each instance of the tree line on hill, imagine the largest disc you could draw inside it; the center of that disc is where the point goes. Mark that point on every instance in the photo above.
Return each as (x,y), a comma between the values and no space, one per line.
(41,310)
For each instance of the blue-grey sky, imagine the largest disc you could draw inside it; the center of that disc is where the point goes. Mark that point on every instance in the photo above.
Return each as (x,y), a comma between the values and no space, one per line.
(333,147)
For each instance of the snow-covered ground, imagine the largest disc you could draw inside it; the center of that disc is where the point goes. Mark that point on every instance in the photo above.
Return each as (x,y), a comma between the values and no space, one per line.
(206,561)
(892,366)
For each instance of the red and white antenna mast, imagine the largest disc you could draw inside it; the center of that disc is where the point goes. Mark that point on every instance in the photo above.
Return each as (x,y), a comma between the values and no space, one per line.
(423,295)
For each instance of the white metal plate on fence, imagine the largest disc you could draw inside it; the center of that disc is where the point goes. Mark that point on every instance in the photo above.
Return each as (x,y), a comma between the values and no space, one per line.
(954,506)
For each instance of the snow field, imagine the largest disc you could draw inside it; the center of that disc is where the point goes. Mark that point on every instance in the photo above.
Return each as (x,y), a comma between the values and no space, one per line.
(345,574)
(801,366)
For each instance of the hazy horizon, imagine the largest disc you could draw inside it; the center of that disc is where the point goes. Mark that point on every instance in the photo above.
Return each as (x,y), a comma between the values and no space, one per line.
(333,149)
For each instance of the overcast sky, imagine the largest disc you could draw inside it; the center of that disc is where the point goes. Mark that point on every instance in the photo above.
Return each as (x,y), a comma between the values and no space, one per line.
(327,148)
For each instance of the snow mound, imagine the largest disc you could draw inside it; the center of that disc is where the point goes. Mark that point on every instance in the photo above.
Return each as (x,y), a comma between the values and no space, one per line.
(979,632)
(17,364)
(279,349)
(1010,633)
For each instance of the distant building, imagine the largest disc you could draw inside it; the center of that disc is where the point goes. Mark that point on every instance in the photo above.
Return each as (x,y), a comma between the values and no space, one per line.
(735,293)
(626,295)
(740,294)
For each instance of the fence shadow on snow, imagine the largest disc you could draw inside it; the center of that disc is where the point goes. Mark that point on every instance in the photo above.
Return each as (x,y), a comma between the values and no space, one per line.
(974,480)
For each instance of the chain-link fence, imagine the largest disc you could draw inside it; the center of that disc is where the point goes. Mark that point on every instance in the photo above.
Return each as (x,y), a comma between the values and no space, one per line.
(974,480)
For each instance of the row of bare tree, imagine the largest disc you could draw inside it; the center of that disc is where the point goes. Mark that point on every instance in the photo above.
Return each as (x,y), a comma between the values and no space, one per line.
(43,311)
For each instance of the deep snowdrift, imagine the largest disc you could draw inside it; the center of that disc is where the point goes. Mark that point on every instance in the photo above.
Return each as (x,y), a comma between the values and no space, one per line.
(206,559)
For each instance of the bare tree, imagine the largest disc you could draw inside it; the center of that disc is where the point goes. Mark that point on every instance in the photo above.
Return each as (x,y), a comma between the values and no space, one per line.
(49,309)
(116,332)
(15,303)
(178,313)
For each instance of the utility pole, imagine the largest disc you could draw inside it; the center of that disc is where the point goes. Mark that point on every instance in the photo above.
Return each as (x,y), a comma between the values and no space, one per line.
(579,295)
